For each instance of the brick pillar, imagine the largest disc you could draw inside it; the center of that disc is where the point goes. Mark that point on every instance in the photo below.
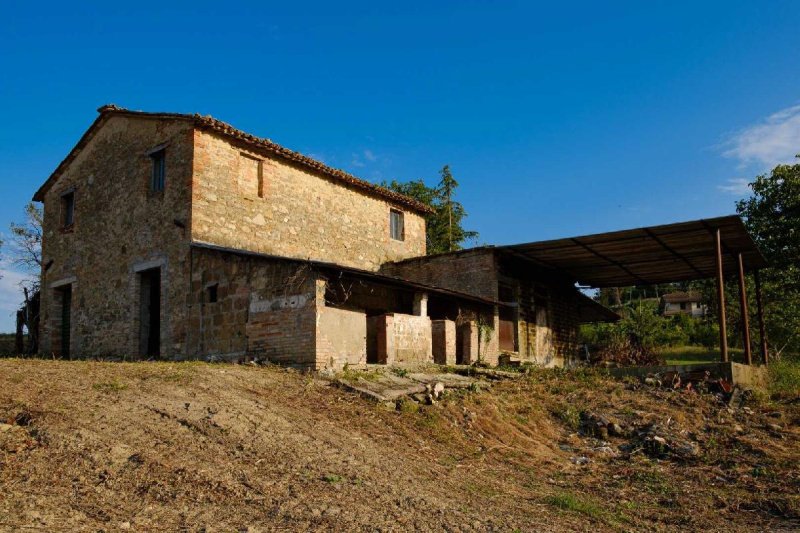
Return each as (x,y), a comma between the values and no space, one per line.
(421,304)
(384,332)
(443,333)
(468,339)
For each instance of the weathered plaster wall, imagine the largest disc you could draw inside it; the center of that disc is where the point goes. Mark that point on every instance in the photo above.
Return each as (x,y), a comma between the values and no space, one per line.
(341,337)
(120,227)
(298,214)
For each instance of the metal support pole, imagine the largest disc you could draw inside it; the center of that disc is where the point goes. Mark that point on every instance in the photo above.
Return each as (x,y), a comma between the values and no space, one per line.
(723,333)
(760,312)
(748,354)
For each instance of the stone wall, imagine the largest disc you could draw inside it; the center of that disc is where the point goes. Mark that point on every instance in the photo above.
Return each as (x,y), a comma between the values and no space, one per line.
(265,308)
(120,228)
(401,339)
(253,201)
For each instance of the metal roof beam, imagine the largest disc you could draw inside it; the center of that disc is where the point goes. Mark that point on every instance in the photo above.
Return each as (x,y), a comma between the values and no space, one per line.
(613,262)
(675,253)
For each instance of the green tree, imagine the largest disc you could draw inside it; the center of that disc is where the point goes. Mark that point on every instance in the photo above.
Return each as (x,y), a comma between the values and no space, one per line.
(772,215)
(444,227)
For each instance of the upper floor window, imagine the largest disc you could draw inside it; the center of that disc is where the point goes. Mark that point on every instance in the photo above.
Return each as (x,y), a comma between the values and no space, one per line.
(68,209)
(158,176)
(396,229)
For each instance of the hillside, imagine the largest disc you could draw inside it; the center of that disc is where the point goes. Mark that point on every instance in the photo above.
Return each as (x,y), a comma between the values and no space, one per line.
(158,446)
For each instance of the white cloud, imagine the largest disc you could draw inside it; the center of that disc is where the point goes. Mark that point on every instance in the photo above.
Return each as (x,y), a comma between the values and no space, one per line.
(356,161)
(737,186)
(774,140)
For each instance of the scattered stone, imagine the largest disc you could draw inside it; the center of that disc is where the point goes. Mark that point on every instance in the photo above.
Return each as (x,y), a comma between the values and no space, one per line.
(615,430)
(651,381)
(582,460)
(420,397)
(438,389)
(775,428)
(685,449)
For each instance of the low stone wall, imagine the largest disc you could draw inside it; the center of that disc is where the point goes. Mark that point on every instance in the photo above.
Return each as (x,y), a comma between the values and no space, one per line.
(402,338)
(746,376)
(341,338)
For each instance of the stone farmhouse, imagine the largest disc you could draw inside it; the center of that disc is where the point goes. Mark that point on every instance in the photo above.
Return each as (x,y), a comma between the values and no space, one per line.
(178,236)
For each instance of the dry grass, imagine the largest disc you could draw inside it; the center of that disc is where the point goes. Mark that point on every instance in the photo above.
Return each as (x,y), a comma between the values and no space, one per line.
(162,446)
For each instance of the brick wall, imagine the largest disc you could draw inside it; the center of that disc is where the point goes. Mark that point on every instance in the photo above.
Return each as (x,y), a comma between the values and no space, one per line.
(120,227)
(297,214)
(443,334)
(472,272)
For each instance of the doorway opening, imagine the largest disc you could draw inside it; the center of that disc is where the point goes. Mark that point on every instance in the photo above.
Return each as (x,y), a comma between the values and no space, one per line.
(150,312)
(63,299)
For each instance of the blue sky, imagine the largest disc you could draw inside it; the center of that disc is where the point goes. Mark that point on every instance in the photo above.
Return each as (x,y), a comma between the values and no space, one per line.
(557,119)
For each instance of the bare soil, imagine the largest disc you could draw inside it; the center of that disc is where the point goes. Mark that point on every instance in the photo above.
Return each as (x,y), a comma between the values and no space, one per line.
(189,446)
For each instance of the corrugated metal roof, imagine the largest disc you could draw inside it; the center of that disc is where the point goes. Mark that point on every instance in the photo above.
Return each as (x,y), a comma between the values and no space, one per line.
(646,256)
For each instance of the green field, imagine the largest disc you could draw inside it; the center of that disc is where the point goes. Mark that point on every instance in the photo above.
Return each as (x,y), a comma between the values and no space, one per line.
(688,355)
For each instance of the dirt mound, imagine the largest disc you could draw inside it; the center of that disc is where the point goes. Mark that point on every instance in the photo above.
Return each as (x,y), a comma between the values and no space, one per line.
(157,446)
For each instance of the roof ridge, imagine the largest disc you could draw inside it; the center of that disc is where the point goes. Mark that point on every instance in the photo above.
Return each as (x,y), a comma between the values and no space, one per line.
(219,126)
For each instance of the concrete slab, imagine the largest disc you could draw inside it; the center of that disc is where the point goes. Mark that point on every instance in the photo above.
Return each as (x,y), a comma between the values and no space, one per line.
(387,386)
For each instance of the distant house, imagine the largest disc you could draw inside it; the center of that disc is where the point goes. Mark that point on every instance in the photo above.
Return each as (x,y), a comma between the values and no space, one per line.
(686,303)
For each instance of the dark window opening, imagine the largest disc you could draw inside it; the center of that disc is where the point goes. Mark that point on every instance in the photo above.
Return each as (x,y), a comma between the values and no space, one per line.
(158,176)
(212,293)
(505,293)
(68,209)
(396,229)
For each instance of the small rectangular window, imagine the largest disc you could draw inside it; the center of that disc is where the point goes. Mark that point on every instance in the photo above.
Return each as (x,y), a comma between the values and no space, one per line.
(68,209)
(212,293)
(396,229)
(158,176)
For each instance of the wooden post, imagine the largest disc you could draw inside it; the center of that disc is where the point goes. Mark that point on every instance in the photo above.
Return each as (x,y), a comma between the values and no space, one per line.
(748,354)
(723,332)
(760,312)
